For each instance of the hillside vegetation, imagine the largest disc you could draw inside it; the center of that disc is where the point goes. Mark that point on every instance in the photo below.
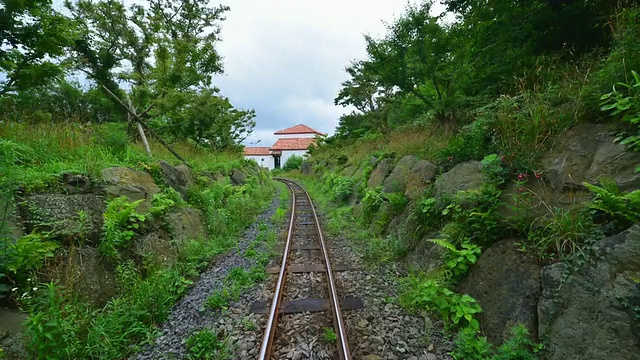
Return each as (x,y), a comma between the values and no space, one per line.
(495,156)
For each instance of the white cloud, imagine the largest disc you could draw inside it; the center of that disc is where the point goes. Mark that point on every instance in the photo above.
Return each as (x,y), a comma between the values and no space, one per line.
(286,59)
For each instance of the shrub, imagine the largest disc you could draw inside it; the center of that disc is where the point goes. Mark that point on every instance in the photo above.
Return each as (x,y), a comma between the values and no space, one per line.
(624,102)
(28,253)
(623,209)
(121,220)
(435,296)
(207,345)
(293,163)
(469,346)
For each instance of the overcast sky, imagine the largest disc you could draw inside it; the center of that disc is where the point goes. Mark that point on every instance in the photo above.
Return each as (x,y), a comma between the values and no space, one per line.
(286,58)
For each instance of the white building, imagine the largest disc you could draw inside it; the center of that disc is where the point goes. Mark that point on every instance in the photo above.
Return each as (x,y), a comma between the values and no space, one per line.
(291,141)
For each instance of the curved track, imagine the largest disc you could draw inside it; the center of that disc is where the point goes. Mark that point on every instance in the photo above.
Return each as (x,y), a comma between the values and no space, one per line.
(304,230)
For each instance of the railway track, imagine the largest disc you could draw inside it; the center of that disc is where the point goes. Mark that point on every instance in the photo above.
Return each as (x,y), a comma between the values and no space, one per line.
(299,290)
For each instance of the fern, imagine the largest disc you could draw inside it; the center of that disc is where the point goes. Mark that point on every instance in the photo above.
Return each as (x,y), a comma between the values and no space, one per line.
(445,244)
(622,207)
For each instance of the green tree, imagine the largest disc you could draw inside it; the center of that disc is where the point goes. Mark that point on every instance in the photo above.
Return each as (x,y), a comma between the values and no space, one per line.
(34,36)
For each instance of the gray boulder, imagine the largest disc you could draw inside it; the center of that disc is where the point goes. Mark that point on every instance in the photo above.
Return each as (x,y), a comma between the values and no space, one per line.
(60,213)
(397,180)
(464,176)
(419,179)
(76,183)
(238,177)
(186,224)
(179,177)
(380,173)
(135,185)
(506,284)
(593,313)
(86,273)
(585,153)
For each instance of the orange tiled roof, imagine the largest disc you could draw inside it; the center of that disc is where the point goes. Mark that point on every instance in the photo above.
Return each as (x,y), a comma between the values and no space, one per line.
(298,129)
(256,150)
(293,144)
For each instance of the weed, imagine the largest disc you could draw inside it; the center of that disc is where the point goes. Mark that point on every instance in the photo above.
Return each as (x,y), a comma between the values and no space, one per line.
(329,335)
(207,345)
(468,345)
(434,296)
(29,253)
(121,220)
(622,209)
(248,324)
(566,233)
(625,104)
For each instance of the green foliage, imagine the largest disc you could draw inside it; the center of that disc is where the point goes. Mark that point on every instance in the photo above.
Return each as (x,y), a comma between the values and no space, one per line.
(625,104)
(434,296)
(565,233)
(469,346)
(237,280)
(329,335)
(163,202)
(28,253)
(622,208)
(472,142)
(493,169)
(121,221)
(458,261)
(340,187)
(207,345)
(371,202)
(33,34)
(473,216)
(293,163)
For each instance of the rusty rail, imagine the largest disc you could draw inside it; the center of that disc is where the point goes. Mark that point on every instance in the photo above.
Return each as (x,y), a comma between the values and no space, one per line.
(270,330)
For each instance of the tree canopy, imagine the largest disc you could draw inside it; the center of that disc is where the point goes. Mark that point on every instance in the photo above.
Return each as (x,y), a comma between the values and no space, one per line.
(159,55)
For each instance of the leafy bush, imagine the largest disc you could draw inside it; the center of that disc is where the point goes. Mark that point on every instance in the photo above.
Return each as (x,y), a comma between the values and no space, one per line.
(207,345)
(458,261)
(623,209)
(435,296)
(293,163)
(472,142)
(469,346)
(625,104)
(340,187)
(121,220)
(28,253)
(371,202)
(113,137)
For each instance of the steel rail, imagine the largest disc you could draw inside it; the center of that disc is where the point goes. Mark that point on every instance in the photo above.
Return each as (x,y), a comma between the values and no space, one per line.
(270,330)
(341,334)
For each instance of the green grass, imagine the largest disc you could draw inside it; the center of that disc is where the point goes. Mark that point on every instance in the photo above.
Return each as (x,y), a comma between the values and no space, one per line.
(63,326)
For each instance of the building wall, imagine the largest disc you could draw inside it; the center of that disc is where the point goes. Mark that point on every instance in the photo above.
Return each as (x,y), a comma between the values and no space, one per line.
(286,154)
(262,160)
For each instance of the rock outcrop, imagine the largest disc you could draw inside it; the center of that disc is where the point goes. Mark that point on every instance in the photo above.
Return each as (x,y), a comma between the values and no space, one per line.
(135,185)
(178,177)
(186,224)
(419,179)
(585,153)
(66,215)
(238,177)
(380,173)
(594,313)
(397,180)
(464,176)
(506,284)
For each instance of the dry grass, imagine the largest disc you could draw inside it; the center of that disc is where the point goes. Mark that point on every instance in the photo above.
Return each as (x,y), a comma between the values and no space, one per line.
(423,141)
